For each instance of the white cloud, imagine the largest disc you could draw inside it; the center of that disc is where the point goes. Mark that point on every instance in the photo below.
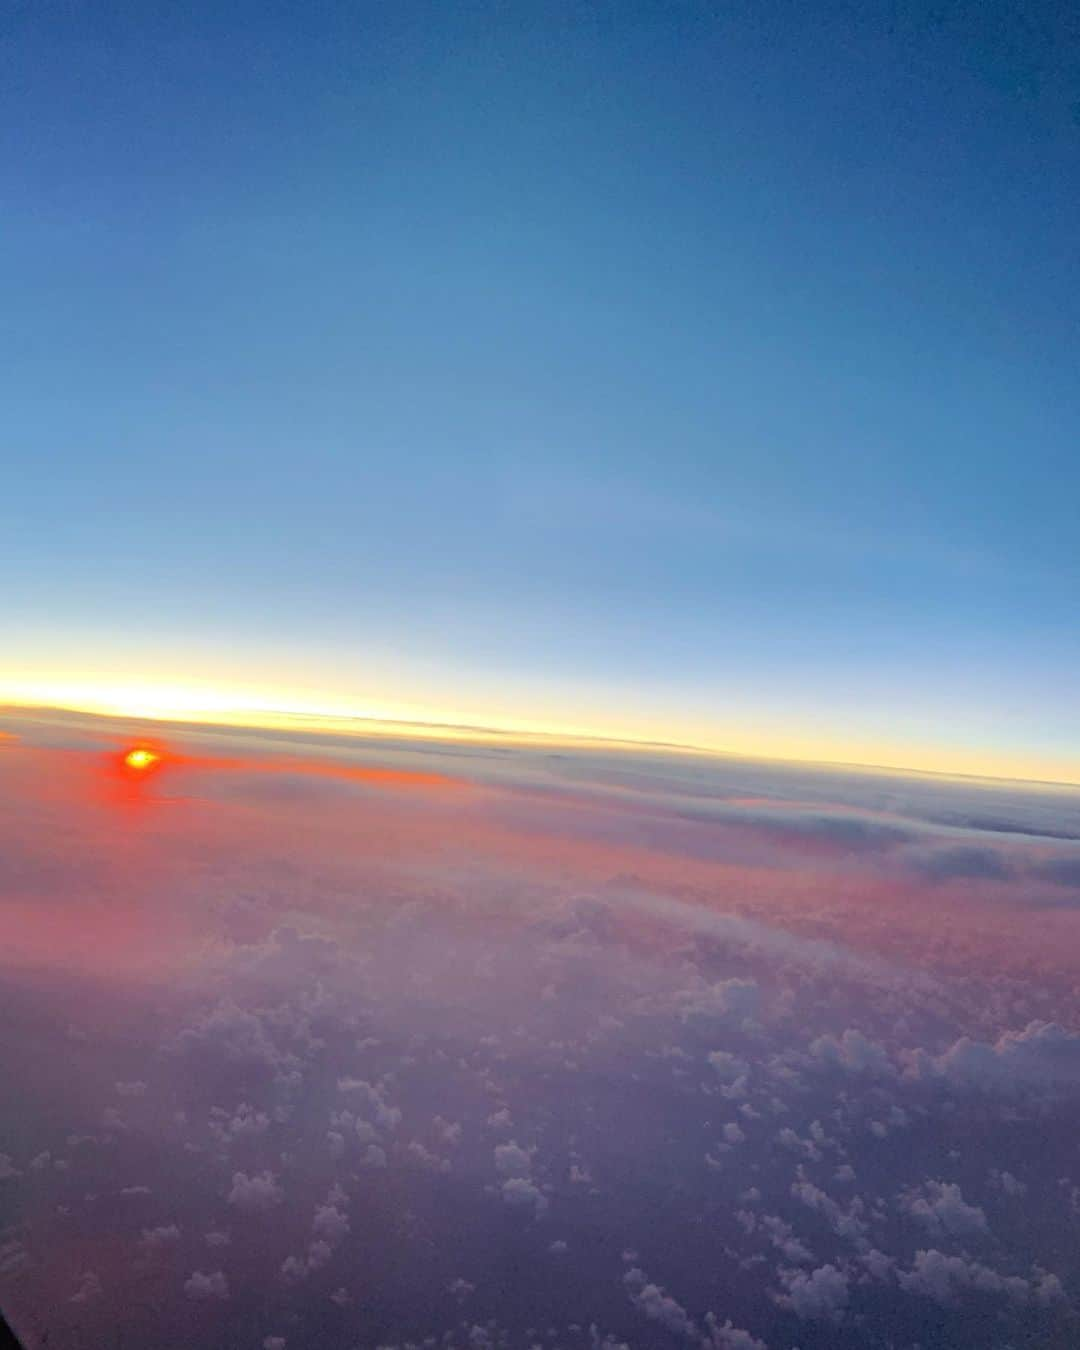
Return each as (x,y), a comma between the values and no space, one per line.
(520,1193)
(820,1296)
(658,1306)
(941,1208)
(725,1336)
(200,1288)
(255,1194)
(853,1052)
(940,1277)
(511,1160)
(1043,1054)
(89,1287)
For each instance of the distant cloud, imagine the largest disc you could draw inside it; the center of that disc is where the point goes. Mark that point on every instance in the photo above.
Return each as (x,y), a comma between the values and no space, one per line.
(1043,1054)
(941,1208)
(255,1194)
(853,1052)
(942,1278)
(821,1295)
(201,1288)
(961,862)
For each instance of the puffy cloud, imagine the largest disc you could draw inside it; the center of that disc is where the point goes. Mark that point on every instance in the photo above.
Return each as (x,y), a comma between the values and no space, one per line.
(89,1287)
(1048,1290)
(845,1222)
(255,1194)
(245,1123)
(1043,1054)
(13,1257)
(854,1052)
(728,1068)
(370,1101)
(294,1269)
(941,1208)
(658,1306)
(8,1168)
(787,1138)
(330,1223)
(725,1336)
(164,1236)
(426,1158)
(940,1277)
(232,1034)
(520,1193)
(780,1234)
(821,1295)
(329,1227)
(201,1288)
(1007,1183)
(732,1000)
(511,1160)
(319,1252)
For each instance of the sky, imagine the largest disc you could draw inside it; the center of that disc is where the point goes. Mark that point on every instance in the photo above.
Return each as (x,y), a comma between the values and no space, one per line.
(678,372)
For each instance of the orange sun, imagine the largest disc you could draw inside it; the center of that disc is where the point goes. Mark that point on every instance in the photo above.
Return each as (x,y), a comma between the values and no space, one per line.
(141,759)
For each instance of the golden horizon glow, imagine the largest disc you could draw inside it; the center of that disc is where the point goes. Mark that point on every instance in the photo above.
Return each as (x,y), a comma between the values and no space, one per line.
(271,708)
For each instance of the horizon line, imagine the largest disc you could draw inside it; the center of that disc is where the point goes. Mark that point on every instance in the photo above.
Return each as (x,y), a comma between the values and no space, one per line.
(323,724)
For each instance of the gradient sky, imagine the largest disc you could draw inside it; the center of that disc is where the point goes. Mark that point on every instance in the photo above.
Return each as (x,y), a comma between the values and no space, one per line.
(677,370)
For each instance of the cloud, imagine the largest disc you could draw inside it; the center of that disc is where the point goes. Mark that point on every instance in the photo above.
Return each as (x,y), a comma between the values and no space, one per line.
(511,1160)
(726,1336)
(658,1306)
(709,1005)
(255,1194)
(520,1193)
(941,1278)
(853,1052)
(1058,871)
(941,1208)
(370,1101)
(229,1033)
(846,1223)
(89,1287)
(1043,1054)
(961,862)
(330,1223)
(821,1295)
(201,1288)
(728,1068)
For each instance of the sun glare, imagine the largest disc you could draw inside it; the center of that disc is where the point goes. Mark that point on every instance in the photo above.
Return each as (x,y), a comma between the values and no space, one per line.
(141,759)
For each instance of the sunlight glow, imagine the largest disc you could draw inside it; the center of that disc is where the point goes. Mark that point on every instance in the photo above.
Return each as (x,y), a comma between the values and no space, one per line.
(141,759)
(236,704)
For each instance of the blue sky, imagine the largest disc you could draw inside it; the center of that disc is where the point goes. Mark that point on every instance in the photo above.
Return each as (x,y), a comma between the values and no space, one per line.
(669,369)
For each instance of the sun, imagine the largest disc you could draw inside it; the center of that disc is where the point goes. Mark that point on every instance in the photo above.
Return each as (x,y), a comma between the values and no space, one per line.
(141,759)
